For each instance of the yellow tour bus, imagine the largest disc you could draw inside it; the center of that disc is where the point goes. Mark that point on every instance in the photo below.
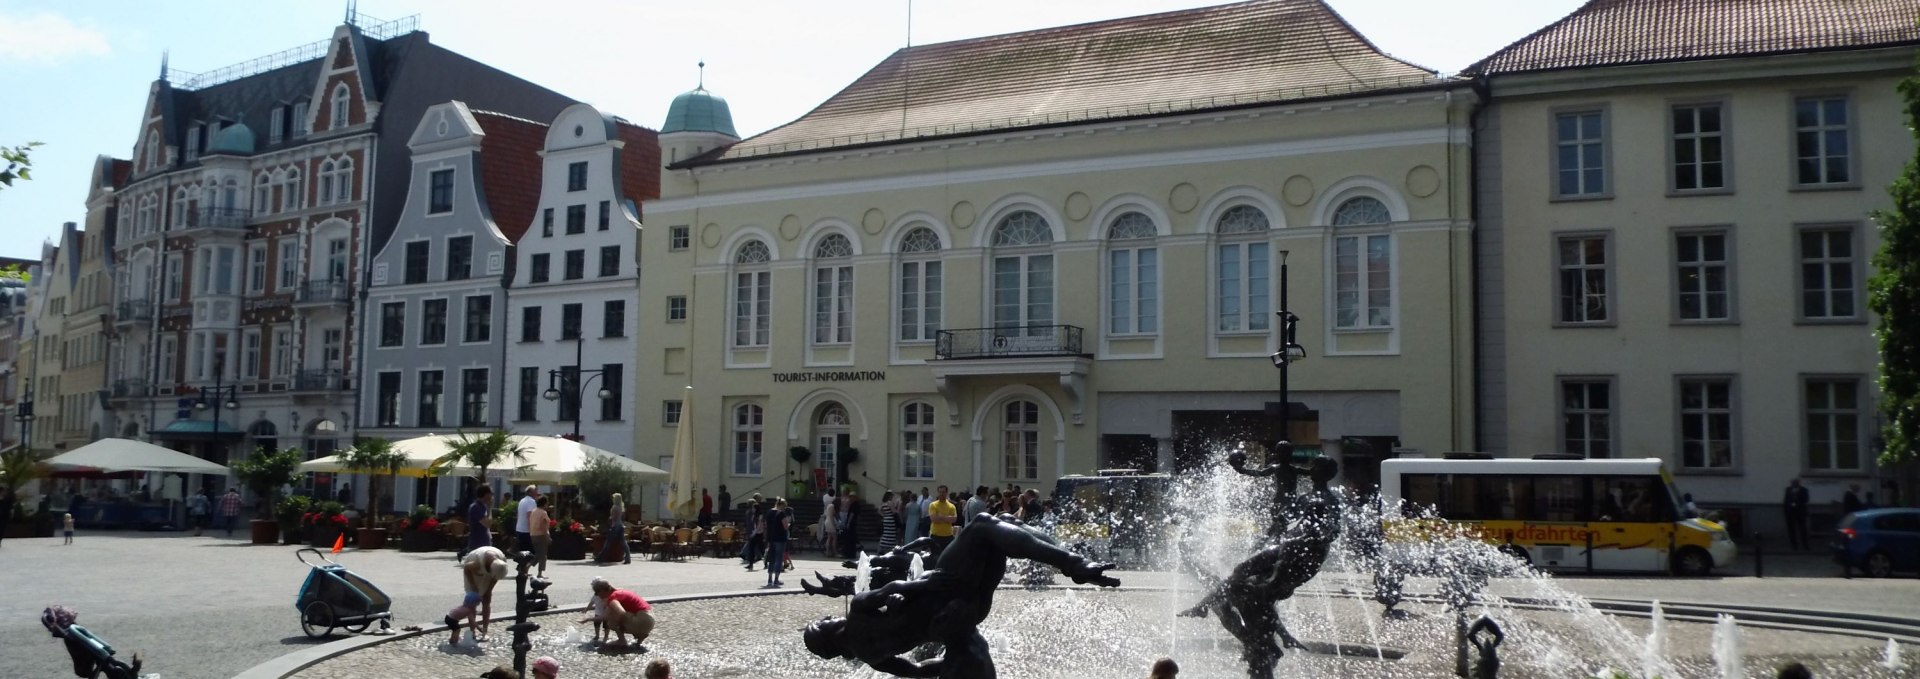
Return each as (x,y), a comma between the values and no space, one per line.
(1562,513)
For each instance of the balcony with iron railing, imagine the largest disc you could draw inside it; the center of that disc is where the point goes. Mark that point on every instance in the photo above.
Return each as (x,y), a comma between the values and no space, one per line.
(1008,342)
(323,292)
(134,387)
(133,311)
(216,219)
(323,379)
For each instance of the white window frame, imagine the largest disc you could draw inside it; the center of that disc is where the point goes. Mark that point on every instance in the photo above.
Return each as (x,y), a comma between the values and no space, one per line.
(342,107)
(292,191)
(169,359)
(670,413)
(1706,412)
(256,268)
(1848,421)
(283,352)
(172,277)
(676,308)
(1691,276)
(1830,286)
(1235,294)
(289,276)
(1030,316)
(920,277)
(1608,295)
(1824,129)
(1132,284)
(299,119)
(679,237)
(250,354)
(917,434)
(749,439)
(263,194)
(831,285)
(1581,141)
(427,319)
(433,188)
(751,316)
(1583,442)
(1355,236)
(485,394)
(1020,440)
(1696,141)
(420,409)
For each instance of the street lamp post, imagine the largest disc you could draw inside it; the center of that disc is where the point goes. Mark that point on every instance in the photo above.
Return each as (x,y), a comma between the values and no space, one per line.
(25,418)
(578,389)
(223,395)
(1290,352)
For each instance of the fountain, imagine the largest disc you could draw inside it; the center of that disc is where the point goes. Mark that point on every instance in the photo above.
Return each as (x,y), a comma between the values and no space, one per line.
(1890,658)
(1726,649)
(1653,659)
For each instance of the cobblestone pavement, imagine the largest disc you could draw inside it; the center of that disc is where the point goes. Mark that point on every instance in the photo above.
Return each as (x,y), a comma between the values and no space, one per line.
(210,607)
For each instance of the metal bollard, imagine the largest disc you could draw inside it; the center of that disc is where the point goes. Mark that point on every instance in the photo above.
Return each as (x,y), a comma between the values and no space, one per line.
(1759,555)
(520,628)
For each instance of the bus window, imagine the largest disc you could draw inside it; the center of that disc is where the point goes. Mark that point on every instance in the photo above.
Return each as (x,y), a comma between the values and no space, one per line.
(1631,499)
(1418,492)
(1558,498)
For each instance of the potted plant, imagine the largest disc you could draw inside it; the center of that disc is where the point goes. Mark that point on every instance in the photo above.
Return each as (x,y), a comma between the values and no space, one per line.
(19,467)
(505,516)
(289,513)
(326,524)
(800,454)
(375,457)
(420,531)
(595,540)
(569,541)
(264,472)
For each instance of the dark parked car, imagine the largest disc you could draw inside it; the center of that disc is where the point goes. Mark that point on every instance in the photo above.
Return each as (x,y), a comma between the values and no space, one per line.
(1879,542)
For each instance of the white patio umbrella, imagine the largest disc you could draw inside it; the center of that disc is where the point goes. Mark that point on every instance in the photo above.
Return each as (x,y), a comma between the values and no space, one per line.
(547,459)
(127,455)
(683,491)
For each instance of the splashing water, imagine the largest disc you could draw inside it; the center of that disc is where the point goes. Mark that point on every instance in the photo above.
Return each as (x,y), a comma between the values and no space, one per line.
(1726,649)
(1891,657)
(916,568)
(865,567)
(1654,657)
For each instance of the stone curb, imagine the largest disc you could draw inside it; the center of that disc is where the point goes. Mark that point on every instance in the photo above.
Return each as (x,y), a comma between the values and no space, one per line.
(288,664)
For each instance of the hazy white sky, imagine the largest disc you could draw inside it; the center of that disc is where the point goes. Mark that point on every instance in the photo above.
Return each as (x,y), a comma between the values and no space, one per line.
(74,74)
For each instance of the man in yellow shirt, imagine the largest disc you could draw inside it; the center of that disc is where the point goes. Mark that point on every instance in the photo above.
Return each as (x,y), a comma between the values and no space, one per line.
(942,514)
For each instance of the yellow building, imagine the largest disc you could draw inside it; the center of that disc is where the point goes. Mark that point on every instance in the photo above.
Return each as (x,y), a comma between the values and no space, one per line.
(1006,259)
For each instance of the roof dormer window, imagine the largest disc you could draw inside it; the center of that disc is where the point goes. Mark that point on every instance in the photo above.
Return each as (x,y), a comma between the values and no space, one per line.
(340,99)
(194,134)
(297,119)
(276,124)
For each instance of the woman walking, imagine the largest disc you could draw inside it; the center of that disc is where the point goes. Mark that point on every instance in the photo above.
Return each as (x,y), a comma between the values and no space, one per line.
(779,525)
(616,547)
(539,527)
(889,521)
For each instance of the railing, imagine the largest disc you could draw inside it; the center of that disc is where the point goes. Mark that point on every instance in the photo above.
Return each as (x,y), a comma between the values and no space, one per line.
(1008,342)
(132,387)
(225,218)
(320,380)
(134,310)
(369,26)
(322,291)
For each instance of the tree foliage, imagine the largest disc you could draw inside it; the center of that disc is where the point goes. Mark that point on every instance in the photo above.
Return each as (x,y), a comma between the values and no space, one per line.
(482,451)
(600,478)
(374,457)
(19,467)
(1894,295)
(265,471)
(18,165)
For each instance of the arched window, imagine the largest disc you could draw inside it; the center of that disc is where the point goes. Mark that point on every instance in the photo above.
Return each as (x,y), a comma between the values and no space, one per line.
(264,435)
(1023,276)
(326,183)
(292,192)
(920,285)
(152,159)
(831,435)
(340,99)
(1020,440)
(1243,271)
(182,206)
(752,292)
(229,194)
(833,290)
(1133,275)
(263,194)
(748,422)
(916,440)
(343,180)
(1362,265)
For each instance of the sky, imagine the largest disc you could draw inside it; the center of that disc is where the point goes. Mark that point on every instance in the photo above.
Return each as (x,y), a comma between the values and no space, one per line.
(74,74)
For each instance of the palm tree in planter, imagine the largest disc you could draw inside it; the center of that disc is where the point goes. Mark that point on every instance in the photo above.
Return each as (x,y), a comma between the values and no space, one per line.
(483,452)
(19,467)
(264,472)
(374,456)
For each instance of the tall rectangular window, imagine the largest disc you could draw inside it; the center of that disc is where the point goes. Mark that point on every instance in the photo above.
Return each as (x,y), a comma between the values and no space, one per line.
(1133,290)
(613,318)
(250,354)
(1699,147)
(479,314)
(577,176)
(1363,281)
(540,268)
(529,397)
(569,393)
(1702,280)
(432,386)
(1242,301)
(676,308)
(916,440)
(333,343)
(921,289)
(609,260)
(1586,417)
(530,324)
(752,308)
(393,324)
(459,258)
(1822,139)
(433,321)
(289,264)
(1706,423)
(473,397)
(1833,424)
(387,407)
(169,359)
(171,277)
(612,380)
(679,237)
(833,304)
(1583,279)
(276,125)
(297,121)
(546,223)
(576,265)
(749,422)
(282,352)
(576,219)
(1828,274)
(418,254)
(440,192)
(606,215)
(256,268)
(1579,154)
(1020,442)
(570,321)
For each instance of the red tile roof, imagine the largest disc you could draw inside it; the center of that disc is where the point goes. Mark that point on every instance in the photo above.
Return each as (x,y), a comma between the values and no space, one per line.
(639,165)
(1621,32)
(1211,57)
(510,170)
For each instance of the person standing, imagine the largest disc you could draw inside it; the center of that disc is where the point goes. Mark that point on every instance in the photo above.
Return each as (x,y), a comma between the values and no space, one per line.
(909,516)
(829,526)
(230,509)
(889,521)
(198,510)
(706,510)
(66,523)
(1850,502)
(616,545)
(540,529)
(940,516)
(1795,506)
(750,550)
(522,535)
(847,518)
(779,526)
(978,503)
(479,520)
(726,502)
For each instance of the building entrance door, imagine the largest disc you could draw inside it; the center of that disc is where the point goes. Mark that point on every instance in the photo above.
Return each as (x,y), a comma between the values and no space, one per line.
(830,437)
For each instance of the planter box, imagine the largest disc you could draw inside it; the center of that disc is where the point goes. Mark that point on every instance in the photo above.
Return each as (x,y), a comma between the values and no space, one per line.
(372,538)
(264,531)
(293,536)
(323,535)
(567,547)
(420,541)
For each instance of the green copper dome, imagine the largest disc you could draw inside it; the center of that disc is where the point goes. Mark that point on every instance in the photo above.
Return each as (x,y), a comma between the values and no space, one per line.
(236,139)
(699,111)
